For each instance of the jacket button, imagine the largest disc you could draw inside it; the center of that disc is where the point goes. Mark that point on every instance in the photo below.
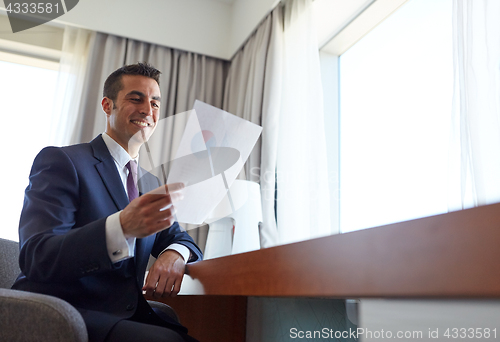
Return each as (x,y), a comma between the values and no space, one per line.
(130,307)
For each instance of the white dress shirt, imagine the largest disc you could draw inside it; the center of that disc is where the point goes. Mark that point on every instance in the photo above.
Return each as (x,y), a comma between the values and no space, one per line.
(120,248)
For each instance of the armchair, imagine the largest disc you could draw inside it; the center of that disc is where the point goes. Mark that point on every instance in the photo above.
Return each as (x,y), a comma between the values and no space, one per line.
(26,316)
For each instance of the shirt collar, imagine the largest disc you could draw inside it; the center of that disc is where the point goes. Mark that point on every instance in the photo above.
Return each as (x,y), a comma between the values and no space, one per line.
(118,153)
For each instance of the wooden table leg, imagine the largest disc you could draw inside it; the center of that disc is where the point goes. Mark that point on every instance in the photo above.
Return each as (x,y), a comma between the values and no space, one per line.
(211,318)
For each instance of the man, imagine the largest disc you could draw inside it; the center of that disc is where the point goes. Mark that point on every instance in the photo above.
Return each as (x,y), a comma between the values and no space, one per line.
(86,237)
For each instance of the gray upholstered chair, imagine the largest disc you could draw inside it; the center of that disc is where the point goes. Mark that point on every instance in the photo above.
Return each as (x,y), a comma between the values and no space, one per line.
(26,316)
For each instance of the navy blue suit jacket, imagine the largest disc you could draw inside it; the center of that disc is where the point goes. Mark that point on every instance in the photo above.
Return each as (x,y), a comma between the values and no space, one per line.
(63,252)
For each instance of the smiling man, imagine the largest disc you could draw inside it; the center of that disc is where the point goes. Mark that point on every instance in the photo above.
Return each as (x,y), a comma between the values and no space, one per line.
(86,234)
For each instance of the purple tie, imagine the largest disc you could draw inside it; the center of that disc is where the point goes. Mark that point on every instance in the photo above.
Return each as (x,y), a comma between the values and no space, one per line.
(133,193)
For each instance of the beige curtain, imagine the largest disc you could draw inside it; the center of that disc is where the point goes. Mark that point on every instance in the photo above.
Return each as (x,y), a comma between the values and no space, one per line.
(253,92)
(106,55)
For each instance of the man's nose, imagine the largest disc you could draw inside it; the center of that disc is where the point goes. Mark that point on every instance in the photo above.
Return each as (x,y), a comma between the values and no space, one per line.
(147,109)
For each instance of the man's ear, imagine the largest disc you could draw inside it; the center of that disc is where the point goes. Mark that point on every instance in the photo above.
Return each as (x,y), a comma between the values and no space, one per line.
(107,105)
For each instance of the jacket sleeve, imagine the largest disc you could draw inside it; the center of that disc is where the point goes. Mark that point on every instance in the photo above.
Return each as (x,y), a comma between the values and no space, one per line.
(175,234)
(52,247)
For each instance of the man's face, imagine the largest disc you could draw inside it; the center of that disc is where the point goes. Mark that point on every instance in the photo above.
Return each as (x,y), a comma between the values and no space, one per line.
(137,107)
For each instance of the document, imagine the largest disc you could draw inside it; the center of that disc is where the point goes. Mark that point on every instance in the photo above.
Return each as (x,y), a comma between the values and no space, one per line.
(207,157)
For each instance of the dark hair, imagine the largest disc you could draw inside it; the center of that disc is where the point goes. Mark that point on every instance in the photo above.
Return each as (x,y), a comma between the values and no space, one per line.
(113,83)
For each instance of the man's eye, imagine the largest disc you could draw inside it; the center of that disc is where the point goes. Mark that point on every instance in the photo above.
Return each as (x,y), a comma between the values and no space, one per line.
(136,100)
(156,105)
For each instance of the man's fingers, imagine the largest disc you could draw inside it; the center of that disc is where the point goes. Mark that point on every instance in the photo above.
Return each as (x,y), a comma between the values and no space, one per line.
(165,276)
(177,288)
(174,187)
(149,286)
(163,214)
(167,189)
(176,196)
(161,197)
(159,226)
(151,212)
(158,197)
(168,287)
(159,210)
(160,287)
(163,285)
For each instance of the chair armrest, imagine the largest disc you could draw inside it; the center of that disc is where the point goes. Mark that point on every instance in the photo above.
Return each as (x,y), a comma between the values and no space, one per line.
(165,309)
(27,316)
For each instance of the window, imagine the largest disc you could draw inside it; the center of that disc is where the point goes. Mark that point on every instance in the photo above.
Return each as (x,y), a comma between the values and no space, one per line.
(28,94)
(395,107)
(29,63)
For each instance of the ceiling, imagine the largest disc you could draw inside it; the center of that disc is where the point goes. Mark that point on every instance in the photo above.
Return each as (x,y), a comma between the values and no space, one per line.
(211,27)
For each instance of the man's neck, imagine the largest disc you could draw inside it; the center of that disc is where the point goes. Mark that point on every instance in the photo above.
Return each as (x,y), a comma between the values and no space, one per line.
(132,151)
(131,148)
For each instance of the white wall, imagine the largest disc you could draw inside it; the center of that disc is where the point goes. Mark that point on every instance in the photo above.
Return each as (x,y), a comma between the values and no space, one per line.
(214,28)
(246,15)
(200,26)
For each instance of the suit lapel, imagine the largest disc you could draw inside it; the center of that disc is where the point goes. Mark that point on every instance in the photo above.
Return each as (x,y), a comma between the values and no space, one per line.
(108,172)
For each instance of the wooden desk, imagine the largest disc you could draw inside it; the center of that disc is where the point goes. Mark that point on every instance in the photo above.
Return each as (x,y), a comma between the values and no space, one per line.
(454,255)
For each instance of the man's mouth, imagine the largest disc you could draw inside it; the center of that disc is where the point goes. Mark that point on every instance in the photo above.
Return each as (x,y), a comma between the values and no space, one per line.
(141,123)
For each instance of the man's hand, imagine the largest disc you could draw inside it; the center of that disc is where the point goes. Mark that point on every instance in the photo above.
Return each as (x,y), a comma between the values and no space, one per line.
(165,276)
(151,212)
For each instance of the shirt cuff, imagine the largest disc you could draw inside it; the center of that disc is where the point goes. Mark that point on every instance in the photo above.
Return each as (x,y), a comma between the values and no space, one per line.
(119,248)
(181,249)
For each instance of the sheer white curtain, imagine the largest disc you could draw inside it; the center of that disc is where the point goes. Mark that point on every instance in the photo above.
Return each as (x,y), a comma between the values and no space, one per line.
(70,81)
(475,145)
(303,204)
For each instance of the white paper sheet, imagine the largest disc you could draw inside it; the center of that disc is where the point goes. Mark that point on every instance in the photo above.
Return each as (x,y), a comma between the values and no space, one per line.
(210,154)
